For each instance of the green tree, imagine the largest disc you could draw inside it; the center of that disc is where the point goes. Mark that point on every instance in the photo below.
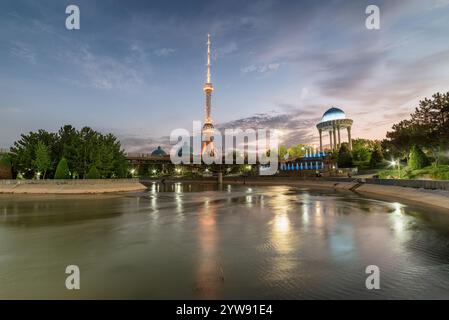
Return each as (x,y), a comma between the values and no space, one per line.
(82,149)
(5,167)
(282,152)
(62,170)
(345,159)
(23,152)
(42,161)
(69,147)
(93,173)
(297,151)
(417,159)
(427,127)
(376,157)
(361,149)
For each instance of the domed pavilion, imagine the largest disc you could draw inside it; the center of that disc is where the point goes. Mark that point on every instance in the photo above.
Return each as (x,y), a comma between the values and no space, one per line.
(333,121)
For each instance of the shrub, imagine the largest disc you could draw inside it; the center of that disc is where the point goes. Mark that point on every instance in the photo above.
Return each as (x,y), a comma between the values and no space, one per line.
(62,170)
(344,157)
(440,172)
(93,173)
(376,157)
(418,159)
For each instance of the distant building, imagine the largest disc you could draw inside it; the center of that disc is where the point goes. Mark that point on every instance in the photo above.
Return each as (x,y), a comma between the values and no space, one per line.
(319,161)
(312,162)
(158,152)
(157,159)
(332,121)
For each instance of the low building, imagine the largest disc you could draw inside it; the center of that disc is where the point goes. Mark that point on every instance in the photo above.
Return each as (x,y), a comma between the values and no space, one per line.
(310,164)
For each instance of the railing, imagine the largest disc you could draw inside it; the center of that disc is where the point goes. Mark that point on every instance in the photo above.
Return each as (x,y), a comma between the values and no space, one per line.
(138,155)
(4,150)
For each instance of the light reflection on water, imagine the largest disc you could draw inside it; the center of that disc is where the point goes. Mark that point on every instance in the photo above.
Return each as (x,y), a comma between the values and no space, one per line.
(235,242)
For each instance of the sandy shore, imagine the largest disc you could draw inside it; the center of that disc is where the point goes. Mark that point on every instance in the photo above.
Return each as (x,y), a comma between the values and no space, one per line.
(70,187)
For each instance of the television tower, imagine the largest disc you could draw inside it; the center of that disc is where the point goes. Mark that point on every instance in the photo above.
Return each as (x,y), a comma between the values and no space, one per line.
(208,127)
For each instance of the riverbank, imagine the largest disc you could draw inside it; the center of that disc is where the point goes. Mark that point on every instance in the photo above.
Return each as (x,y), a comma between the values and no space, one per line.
(437,198)
(70,186)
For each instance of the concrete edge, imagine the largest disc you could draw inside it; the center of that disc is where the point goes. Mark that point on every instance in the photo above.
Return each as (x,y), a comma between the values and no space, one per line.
(426,197)
(115,187)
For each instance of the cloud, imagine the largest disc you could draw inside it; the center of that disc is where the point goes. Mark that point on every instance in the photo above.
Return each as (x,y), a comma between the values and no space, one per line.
(295,127)
(23,51)
(136,144)
(439,4)
(229,48)
(164,52)
(14,110)
(270,67)
(103,72)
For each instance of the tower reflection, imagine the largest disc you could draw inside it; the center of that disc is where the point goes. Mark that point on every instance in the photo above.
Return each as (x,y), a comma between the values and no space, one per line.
(210,276)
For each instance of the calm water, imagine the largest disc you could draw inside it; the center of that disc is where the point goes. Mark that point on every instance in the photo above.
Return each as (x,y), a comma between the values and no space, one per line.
(238,242)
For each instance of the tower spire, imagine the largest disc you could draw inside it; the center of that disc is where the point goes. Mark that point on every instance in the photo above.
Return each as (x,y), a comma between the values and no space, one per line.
(208,86)
(208,59)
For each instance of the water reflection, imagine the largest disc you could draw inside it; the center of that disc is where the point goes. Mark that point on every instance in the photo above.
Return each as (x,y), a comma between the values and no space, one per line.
(237,242)
(209,276)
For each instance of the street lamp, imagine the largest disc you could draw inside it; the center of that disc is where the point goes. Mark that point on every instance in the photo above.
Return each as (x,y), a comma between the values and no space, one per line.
(398,163)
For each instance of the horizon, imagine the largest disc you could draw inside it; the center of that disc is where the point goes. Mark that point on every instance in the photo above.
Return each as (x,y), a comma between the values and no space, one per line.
(278,66)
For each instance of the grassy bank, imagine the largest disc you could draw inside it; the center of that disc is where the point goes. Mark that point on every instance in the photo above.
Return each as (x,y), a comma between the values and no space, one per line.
(433,172)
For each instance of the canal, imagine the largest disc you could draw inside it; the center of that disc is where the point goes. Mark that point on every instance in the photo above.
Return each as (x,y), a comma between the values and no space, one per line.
(184,241)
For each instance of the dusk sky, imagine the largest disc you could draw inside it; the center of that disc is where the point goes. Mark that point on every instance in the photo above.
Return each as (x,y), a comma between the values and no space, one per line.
(137,68)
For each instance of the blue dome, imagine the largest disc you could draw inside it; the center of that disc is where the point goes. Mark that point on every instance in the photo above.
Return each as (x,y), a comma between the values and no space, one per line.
(158,152)
(333,114)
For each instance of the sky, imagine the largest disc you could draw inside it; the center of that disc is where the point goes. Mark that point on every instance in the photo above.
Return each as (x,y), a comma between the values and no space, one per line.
(137,68)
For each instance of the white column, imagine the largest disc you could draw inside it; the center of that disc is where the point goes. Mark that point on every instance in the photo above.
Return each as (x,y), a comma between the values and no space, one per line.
(349,138)
(321,140)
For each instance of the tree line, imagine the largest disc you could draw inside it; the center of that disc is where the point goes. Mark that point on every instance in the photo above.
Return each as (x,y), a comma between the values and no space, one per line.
(68,153)
(427,129)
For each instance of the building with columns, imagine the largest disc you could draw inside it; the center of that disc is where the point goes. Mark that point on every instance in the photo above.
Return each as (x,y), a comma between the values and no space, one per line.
(334,121)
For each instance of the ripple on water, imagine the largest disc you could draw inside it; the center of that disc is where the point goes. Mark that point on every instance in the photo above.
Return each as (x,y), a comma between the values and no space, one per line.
(239,242)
